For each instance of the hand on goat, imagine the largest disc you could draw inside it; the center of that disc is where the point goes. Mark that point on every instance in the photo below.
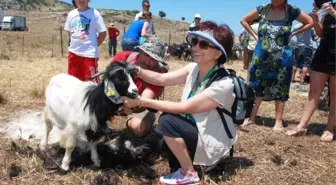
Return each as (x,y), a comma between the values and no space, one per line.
(134,69)
(131,103)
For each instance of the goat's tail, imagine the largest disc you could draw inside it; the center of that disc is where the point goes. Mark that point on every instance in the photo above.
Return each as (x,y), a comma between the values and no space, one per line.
(48,127)
(45,118)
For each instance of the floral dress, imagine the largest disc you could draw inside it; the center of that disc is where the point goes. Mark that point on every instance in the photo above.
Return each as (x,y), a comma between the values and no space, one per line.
(271,68)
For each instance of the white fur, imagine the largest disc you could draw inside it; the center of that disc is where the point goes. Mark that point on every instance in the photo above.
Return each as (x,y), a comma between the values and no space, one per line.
(65,109)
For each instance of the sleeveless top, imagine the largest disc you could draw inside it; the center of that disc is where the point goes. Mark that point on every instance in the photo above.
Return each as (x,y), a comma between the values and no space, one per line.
(150,28)
(324,59)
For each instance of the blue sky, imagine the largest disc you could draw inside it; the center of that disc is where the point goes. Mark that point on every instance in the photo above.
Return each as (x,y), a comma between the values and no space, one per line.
(220,11)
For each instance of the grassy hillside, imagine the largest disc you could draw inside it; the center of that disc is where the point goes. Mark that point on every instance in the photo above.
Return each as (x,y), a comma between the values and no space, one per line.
(43,38)
(30,5)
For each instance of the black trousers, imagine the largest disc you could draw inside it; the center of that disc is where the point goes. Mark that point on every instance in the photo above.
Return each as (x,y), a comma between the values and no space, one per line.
(176,126)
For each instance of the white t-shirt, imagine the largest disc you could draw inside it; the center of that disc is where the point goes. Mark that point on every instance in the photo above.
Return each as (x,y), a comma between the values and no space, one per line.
(213,142)
(138,15)
(84,28)
(252,42)
(192,27)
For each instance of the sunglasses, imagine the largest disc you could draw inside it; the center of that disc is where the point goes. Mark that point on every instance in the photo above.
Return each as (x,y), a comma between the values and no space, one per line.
(201,43)
(148,6)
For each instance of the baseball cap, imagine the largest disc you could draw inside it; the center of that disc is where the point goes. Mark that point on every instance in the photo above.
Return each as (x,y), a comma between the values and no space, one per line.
(197,15)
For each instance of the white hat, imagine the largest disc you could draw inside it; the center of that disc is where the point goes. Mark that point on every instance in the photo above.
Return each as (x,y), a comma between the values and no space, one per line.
(207,35)
(197,15)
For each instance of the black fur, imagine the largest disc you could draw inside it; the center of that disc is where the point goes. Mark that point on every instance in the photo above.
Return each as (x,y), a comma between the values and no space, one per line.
(100,105)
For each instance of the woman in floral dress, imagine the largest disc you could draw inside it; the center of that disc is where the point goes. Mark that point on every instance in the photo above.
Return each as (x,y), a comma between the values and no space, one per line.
(271,68)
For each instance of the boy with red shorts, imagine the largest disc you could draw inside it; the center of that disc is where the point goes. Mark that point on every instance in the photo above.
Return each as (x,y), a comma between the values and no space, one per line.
(87,31)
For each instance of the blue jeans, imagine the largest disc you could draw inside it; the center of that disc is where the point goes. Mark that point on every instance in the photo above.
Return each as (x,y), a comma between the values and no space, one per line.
(112,46)
(129,44)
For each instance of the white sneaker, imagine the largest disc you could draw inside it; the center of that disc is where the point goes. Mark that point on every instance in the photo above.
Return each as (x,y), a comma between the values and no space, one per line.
(179,177)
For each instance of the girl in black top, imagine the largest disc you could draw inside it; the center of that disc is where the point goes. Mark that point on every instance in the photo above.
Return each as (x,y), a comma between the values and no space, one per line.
(322,70)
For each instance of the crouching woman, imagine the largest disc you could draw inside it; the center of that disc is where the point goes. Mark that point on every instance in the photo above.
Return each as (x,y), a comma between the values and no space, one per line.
(192,128)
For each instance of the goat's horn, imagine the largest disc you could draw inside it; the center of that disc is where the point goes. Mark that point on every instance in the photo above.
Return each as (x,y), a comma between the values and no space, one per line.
(98,74)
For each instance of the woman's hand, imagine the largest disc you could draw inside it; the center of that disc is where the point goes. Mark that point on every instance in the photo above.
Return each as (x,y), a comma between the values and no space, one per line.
(130,103)
(255,37)
(314,15)
(328,7)
(291,35)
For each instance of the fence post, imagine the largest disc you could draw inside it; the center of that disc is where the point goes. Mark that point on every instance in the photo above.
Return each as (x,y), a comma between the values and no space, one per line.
(169,38)
(22,45)
(52,45)
(61,36)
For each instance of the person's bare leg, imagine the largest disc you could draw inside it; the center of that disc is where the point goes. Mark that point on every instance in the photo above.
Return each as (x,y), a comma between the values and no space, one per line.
(179,149)
(245,60)
(279,109)
(141,126)
(317,83)
(254,113)
(293,73)
(303,74)
(328,134)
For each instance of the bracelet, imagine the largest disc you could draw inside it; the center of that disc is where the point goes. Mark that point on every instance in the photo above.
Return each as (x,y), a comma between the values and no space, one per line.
(139,70)
(139,102)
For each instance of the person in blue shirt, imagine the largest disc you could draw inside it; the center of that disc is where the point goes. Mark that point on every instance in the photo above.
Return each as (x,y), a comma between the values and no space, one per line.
(132,36)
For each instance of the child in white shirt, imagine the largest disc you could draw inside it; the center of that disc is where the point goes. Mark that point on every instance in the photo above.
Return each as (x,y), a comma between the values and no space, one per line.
(83,25)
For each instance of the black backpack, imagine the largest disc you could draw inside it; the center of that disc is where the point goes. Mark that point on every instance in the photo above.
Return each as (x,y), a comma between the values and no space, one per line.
(244,100)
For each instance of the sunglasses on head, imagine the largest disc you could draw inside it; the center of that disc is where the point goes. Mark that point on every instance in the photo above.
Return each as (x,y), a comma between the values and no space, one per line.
(201,43)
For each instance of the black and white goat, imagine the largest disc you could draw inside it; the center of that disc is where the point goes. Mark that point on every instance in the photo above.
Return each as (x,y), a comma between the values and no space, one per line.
(81,109)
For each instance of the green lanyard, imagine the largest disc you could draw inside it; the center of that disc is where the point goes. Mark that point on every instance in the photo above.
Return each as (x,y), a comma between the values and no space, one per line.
(197,83)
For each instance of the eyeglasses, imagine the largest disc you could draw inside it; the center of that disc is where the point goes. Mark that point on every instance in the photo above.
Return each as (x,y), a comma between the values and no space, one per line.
(148,6)
(201,43)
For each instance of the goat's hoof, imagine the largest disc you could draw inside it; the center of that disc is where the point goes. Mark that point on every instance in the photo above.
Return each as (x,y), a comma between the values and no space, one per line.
(65,167)
(61,172)
(94,167)
(96,164)
(43,147)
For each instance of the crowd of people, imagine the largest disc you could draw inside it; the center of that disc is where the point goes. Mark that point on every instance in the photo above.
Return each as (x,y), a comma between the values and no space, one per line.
(194,132)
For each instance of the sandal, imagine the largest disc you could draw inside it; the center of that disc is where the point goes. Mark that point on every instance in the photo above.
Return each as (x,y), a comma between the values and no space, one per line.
(327,136)
(297,132)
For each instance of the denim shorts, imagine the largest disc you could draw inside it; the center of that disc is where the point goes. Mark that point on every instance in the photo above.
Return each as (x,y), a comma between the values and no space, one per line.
(303,56)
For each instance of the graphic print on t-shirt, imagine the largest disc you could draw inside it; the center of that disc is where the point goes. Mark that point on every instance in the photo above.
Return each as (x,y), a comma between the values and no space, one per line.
(79,27)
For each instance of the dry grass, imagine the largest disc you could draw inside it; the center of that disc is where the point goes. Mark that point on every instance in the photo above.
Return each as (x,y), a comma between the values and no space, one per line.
(261,156)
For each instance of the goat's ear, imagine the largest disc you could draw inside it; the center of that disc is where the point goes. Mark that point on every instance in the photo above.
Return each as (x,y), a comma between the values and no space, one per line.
(109,89)
(111,92)
(128,64)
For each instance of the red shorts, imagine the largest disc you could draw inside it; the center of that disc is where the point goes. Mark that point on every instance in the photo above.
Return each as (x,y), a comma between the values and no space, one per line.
(82,67)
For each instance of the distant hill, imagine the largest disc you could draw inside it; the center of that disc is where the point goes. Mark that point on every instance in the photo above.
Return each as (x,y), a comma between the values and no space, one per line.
(27,5)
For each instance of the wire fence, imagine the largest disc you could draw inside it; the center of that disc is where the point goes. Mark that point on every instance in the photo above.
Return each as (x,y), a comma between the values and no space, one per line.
(16,45)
